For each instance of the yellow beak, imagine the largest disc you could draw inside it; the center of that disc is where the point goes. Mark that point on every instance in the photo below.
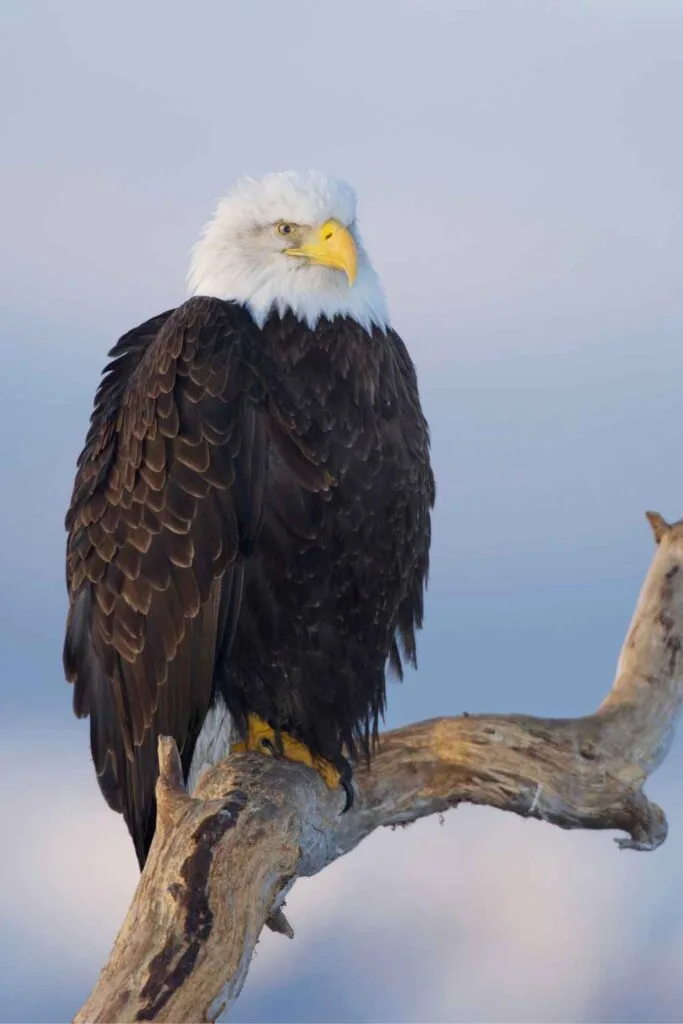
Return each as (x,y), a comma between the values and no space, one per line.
(332,245)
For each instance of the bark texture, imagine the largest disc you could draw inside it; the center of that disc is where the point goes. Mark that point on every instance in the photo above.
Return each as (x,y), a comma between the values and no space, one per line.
(224,858)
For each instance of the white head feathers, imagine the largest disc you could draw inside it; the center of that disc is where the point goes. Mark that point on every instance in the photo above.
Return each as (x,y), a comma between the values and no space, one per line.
(240,255)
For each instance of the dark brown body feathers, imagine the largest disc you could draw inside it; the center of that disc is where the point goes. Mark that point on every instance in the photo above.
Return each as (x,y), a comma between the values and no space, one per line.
(251,516)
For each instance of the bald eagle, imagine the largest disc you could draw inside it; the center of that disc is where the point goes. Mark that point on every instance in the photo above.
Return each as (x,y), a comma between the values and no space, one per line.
(249,531)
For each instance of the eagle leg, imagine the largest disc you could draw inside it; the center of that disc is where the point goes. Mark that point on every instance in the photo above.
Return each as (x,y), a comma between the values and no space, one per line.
(263,739)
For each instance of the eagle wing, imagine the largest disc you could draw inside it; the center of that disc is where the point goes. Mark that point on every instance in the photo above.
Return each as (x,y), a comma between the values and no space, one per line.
(168,495)
(415,505)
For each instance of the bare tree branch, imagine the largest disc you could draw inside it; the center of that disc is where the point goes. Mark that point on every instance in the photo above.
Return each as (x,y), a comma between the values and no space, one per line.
(224,858)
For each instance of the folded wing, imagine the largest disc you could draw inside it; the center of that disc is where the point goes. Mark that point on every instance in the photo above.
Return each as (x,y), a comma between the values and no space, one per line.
(169,493)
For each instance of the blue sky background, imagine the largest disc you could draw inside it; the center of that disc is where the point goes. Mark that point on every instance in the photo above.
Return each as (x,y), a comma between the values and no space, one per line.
(519,168)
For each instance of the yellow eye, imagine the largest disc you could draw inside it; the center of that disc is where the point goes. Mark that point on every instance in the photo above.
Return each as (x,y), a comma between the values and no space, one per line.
(284,228)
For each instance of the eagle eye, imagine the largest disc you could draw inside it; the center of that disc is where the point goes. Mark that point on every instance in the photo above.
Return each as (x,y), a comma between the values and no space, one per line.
(284,228)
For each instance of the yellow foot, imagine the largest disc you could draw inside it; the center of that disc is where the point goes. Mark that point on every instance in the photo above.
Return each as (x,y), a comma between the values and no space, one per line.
(262,738)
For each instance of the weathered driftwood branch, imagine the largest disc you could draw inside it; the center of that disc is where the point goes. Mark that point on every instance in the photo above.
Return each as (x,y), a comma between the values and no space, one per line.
(224,858)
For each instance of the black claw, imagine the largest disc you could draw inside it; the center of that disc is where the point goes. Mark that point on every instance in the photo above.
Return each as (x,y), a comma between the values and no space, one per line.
(345,781)
(347,786)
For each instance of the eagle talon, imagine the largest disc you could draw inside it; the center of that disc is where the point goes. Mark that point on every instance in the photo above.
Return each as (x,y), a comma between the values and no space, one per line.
(347,786)
(262,738)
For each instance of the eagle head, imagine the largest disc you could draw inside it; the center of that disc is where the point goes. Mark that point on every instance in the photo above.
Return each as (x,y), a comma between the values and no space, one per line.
(289,241)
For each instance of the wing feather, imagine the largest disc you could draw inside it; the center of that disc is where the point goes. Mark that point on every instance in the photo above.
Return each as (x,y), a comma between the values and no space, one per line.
(168,491)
